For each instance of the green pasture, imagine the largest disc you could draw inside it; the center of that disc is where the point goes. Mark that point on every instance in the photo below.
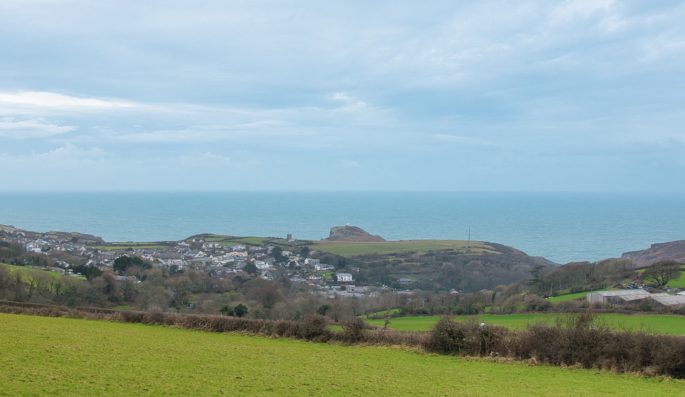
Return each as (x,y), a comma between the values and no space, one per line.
(127,246)
(345,248)
(28,272)
(680,281)
(654,323)
(568,297)
(73,357)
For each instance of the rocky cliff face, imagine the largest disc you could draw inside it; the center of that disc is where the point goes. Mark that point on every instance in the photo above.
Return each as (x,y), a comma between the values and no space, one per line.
(352,233)
(674,250)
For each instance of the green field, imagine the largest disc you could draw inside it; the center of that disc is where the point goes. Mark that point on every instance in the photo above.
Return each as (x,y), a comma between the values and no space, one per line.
(345,248)
(28,272)
(656,323)
(568,297)
(127,246)
(680,281)
(70,357)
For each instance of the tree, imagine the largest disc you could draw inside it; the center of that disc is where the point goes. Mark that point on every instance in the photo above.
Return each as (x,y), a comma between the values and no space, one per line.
(227,311)
(277,253)
(323,309)
(250,268)
(536,277)
(240,310)
(122,263)
(662,272)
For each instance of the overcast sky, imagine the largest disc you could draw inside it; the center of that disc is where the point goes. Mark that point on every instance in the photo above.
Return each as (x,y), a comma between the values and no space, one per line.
(289,95)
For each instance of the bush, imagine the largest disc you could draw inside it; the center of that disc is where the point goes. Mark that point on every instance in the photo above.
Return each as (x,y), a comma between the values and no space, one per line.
(353,329)
(314,328)
(447,337)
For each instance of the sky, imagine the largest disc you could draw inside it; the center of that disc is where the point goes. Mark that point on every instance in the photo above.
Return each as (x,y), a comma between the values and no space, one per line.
(356,95)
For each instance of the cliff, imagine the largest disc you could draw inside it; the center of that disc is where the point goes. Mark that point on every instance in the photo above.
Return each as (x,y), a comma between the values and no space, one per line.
(352,233)
(674,250)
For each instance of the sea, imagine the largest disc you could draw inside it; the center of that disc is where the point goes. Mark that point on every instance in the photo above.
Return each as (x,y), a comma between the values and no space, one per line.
(562,227)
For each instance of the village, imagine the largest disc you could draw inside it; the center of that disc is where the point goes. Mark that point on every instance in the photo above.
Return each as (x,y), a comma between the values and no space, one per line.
(69,253)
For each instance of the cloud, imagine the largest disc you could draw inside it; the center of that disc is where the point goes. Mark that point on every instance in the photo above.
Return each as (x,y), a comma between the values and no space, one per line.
(67,156)
(154,85)
(27,129)
(36,101)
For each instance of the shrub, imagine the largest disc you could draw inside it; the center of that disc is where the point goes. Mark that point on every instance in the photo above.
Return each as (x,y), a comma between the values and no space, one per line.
(447,337)
(313,327)
(353,329)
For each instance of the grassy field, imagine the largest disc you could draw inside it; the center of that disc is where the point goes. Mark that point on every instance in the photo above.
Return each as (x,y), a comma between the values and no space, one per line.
(229,240)
(661,324)
(680,281)
(344,248)
(69,357)
(126,246)
(28,272)
(568,297)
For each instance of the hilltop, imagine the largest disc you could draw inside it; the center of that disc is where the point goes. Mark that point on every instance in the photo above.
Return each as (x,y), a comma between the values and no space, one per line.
(352,233)
(674,250)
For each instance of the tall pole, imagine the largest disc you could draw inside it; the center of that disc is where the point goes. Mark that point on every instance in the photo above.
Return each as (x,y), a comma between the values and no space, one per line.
(468,243)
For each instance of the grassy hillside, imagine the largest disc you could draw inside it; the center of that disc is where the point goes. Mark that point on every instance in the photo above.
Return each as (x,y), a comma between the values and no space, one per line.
(661,324)
(345,248)
(680,281)
(29,272)
(79,357)
(568,297)
(127,246)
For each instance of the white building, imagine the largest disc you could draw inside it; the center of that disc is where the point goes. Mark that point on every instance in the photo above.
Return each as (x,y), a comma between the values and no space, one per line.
(617,297)
(344,277)
(322,267)
(669,300)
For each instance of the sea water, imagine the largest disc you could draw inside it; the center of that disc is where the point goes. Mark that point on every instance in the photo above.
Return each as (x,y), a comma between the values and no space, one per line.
(562,227)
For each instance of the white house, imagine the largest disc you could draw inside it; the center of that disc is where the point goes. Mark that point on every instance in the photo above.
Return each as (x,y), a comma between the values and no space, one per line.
(311,261)
(344,277)
(262,265)
(322,267)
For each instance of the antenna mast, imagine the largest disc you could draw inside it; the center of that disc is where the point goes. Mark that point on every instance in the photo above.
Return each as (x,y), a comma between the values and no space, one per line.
(468,244)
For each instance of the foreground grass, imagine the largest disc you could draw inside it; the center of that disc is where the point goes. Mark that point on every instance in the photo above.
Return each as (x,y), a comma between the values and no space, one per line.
(655,323)
(345,248)
(59,356)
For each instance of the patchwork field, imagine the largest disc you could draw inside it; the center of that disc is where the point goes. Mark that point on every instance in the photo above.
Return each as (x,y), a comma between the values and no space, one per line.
(661,324)
(68,357)
(344,248)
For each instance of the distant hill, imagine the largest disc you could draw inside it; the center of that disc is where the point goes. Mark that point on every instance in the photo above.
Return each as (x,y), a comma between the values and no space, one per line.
(674,250)
(432,264)
(352,233)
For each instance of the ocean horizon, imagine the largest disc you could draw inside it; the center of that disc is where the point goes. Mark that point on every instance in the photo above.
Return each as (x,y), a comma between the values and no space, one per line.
(561,226)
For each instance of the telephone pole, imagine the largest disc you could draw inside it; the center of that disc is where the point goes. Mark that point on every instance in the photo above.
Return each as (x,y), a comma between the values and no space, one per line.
(468,242)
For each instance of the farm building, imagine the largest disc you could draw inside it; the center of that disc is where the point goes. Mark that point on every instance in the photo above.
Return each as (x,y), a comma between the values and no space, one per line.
(617,297)
(669,300)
